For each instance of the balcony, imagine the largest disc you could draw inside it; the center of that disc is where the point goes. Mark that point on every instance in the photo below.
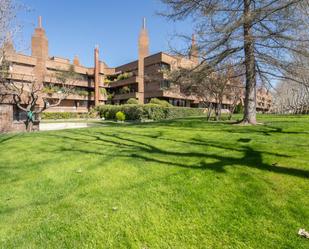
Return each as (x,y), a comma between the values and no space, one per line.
(125,82)
(125,96)
(20,77)
(90,97)
(175,93)
(80,83)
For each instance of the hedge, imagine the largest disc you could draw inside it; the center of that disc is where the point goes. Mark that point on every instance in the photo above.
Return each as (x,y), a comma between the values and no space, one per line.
(160,102)
(148,111)
(67,115)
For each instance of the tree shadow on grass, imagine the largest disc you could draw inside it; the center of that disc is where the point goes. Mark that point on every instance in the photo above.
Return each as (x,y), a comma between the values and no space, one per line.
(266,130)
(196,122)
(133,148)
(7,138)
(200,142)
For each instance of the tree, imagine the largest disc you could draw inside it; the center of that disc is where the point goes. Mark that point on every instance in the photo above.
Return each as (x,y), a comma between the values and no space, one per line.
(291,98)
(8,25)
(211,87)
(257,35)
(27,93)
(292,93)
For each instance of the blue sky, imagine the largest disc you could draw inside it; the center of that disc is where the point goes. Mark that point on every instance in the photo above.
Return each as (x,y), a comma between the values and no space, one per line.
(74,27)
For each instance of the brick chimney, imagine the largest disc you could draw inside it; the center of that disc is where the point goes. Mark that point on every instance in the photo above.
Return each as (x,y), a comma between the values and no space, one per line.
(39,50)
(194,53)
(96,76)
(76,61)
(143,51)
(39,43)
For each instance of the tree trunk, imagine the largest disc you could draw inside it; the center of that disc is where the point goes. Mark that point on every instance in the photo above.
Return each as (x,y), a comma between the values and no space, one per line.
(209,111)
(250,96)
(232,110)
(29,125)
(219,111)
(216,111)
(230,115)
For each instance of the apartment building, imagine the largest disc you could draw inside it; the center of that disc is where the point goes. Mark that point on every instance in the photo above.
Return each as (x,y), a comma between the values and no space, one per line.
(142,79)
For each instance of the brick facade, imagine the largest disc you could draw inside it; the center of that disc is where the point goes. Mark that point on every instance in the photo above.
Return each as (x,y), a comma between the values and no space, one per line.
(7,122)
(141,79)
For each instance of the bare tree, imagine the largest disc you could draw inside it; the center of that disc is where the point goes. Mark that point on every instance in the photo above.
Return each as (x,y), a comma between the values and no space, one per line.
(27,93)
(257,35)
(9,25)
(291,98)
(235,91)
(292,93)
(212,88)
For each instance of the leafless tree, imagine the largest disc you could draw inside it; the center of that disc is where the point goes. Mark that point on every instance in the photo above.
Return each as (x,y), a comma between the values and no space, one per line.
(291,98)
(258,35)
(27,93)
(9,25)
(212,88)
(235,91)
(292,93)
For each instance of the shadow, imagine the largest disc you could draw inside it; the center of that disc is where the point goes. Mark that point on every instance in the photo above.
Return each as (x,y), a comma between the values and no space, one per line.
(133,148)
(266,130)
(7,138)
(201,142)
(244,140)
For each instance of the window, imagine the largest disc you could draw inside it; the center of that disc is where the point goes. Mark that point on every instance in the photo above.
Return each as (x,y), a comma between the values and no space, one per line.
(83,103)
(18,114)
(165,84)
(165,66)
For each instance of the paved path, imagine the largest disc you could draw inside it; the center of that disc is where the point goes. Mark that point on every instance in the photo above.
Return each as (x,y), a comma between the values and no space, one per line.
(62,126)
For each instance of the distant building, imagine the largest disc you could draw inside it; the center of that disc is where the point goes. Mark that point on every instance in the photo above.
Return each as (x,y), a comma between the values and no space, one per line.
(142,79)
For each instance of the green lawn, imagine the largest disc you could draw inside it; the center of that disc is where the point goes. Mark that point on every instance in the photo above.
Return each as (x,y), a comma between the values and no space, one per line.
(178,184)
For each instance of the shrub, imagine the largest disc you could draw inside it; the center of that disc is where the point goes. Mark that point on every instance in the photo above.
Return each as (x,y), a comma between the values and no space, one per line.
(120,116)
(132,101)
(124,76)
(182,112)
(103,91)
(132,112)
(149,111)
(59,115)
(239,109)
(69,115)
(124,90)
(50,89)
(160,102)
(155,112)
(110,96)
(82,93)
(107,81)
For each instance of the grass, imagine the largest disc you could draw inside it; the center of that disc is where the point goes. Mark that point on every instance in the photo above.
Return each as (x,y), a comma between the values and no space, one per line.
(175,184)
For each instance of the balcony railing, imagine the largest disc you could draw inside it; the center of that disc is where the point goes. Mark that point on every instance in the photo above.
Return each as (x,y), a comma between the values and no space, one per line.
(90,97)
(125,96)
(125,82)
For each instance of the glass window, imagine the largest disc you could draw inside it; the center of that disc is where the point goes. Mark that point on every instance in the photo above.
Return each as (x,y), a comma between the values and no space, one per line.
(165,66)
(18,114)
(83,103)
(165,84)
